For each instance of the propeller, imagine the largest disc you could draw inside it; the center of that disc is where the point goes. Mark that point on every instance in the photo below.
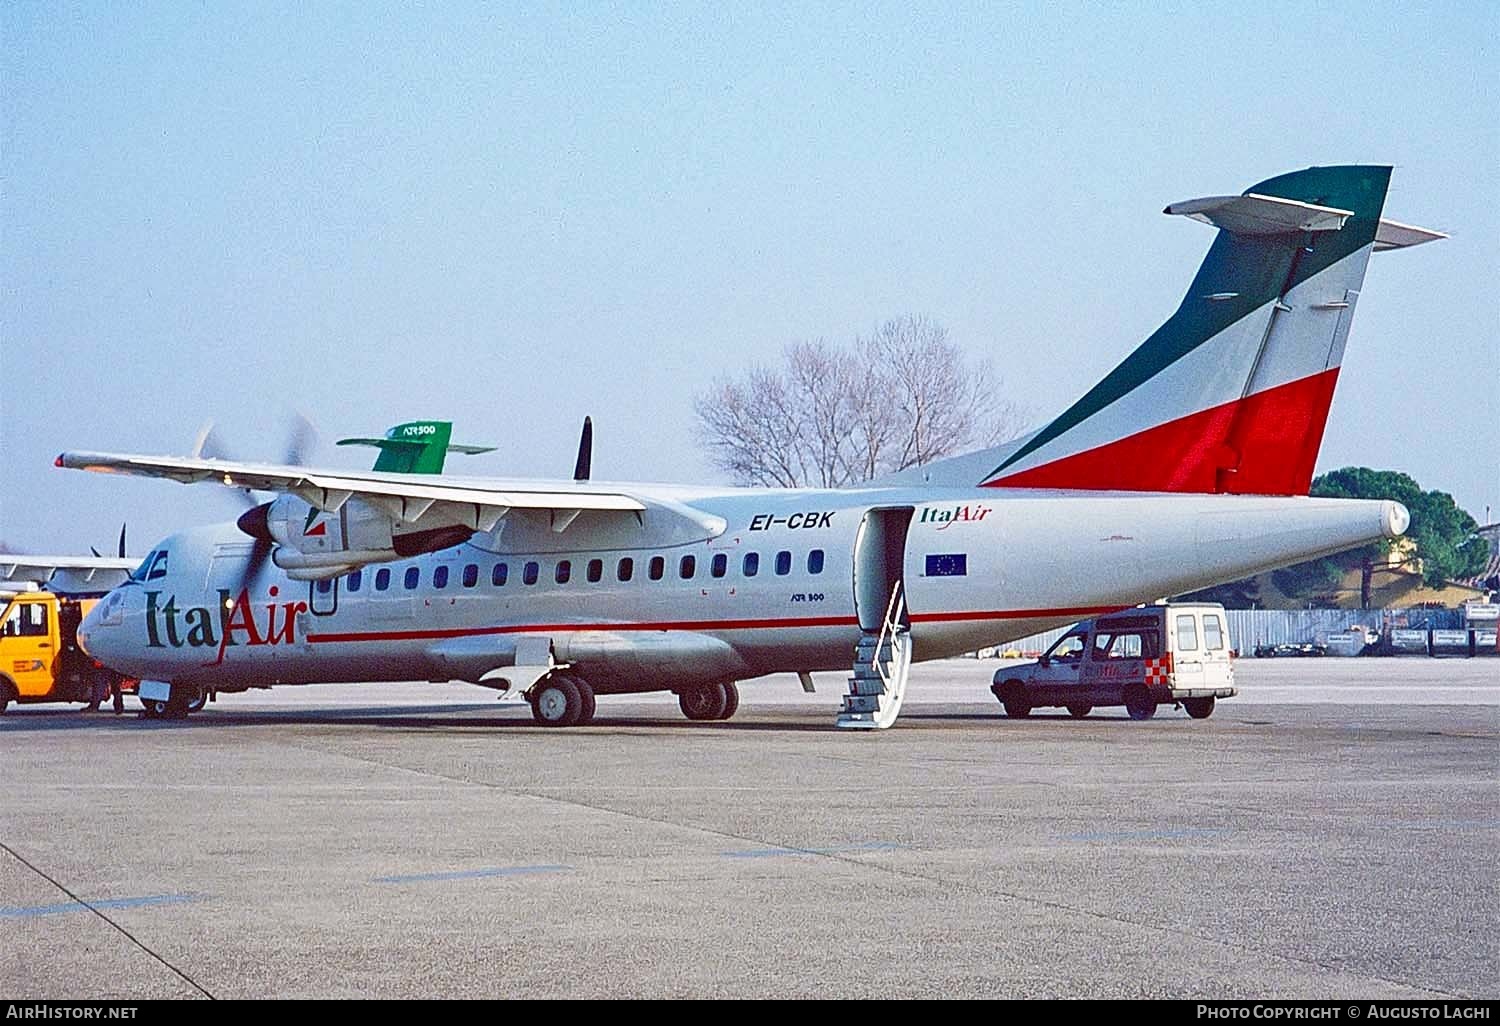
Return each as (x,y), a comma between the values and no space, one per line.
(122,545)
(585,461)
(301,441)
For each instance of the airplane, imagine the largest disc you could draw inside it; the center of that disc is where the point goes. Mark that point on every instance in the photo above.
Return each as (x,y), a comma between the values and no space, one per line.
(1185,466)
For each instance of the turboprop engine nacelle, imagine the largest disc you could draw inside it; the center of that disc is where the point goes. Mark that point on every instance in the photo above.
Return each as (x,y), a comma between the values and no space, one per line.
(312,544)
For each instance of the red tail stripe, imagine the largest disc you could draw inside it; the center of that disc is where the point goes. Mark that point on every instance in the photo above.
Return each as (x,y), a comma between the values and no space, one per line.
(1264,444)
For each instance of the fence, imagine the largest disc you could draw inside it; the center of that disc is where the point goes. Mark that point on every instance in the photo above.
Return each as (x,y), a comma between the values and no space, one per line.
(1251,627)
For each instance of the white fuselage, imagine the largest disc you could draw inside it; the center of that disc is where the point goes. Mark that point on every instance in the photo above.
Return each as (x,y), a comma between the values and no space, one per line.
(976,567)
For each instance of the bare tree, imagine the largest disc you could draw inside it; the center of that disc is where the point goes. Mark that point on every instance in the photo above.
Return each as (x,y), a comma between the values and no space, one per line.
(841,415)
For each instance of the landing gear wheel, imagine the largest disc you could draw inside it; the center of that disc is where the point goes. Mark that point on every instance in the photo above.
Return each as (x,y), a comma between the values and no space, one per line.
(1139,703)
(1199,708)
(556,702)
(1078,711)
(195,702)
(586,703)
(154,708)
(731,701)
(704,702)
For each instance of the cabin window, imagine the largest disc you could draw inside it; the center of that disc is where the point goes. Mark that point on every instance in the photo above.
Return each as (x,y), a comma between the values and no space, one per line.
(720,565)
(783,563)
(1213,633)
(471,575)
(1187,633)
(657,567)
(499,575)
(563,572)
(815,561)
(626,570)
(324,586)
(687,567)
(751,565)
(382,579)
(354,580)
(596,570)
(413,578)
(529,573)
(440,577)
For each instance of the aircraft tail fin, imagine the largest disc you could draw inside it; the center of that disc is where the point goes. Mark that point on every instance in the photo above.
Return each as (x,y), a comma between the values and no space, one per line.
(1232,393)
(419,447)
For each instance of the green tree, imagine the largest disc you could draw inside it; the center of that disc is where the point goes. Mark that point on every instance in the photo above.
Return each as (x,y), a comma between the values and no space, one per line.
(1441,538)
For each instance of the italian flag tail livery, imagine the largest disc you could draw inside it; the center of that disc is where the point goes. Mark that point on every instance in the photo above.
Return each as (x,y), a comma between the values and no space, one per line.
(1231,394)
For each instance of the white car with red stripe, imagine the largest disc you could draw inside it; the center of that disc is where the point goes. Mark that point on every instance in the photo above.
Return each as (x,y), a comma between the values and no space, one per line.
(1172,654)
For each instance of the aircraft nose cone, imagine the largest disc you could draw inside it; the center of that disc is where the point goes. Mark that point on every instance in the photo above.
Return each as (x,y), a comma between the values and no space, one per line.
(94,630)
(1395,519)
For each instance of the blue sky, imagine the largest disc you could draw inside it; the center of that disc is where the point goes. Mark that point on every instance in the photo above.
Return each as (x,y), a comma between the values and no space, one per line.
(512,217)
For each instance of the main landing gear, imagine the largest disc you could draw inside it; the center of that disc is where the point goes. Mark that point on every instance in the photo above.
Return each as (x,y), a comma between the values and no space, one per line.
(709,701)
(567,700)
(562,700)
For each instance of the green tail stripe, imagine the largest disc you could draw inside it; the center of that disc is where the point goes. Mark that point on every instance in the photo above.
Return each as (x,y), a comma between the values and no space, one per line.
(1259,268)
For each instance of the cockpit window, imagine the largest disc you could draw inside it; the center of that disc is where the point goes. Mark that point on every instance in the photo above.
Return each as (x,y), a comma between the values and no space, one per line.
(139,573)
(153,567)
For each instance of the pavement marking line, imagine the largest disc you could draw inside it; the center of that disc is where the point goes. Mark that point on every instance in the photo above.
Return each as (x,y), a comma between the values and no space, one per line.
(98,903)
(943,883)
(1148,835)
(96,910)
(767,853)
(472,874)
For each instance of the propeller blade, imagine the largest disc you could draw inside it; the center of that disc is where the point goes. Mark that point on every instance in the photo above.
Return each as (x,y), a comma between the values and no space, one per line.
(122,541)
(302,439)
(95,552)
(585,462)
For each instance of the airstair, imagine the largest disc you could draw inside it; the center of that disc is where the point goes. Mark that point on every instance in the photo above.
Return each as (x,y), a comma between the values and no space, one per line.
(882,663)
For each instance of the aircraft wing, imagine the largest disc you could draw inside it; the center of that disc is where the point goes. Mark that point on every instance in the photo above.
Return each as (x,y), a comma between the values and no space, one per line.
(328,490)
(73,573)
(386,515)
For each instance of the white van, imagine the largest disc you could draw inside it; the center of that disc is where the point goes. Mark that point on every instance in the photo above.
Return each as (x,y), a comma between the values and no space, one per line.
(1138,658)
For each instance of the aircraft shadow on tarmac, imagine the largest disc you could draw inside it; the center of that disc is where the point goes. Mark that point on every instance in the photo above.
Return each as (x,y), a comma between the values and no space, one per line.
(420,717)
(399,717)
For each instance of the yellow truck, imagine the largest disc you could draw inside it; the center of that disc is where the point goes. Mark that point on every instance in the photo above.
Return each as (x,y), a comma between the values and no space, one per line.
(40,660)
